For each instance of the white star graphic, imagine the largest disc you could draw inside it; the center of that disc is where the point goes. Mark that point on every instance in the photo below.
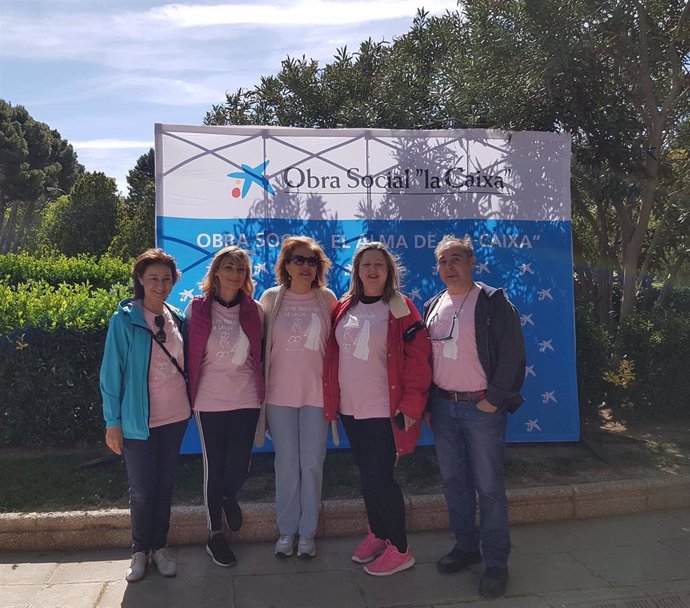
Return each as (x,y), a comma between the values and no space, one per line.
(529,371)
(545,345)
(260,268)
(526,320)
(482,268)
(526,268)
(548,396)
(415,295)
(533,425)
(186,294)
(545,294)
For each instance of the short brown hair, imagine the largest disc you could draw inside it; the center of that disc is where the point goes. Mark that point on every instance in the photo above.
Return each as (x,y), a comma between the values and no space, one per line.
(209,284)
(393,280)
(146,259)
(464,243)
(288,247)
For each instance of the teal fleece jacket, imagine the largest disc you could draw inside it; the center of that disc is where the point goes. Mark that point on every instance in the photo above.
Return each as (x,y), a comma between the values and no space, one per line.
(125,370)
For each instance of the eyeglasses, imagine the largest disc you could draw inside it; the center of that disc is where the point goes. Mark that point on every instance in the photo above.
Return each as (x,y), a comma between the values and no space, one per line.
(452,329)
(160,336)
(300,260)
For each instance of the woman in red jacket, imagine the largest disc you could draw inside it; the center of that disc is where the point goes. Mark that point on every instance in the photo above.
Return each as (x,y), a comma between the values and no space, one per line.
(377,373)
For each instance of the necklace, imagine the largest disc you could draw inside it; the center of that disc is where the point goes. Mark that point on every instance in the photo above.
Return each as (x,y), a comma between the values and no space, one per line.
(457,312)
(455,316)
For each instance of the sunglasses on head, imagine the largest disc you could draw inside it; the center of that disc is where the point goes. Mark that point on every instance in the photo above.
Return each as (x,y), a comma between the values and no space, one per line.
(300,260)
(160,336)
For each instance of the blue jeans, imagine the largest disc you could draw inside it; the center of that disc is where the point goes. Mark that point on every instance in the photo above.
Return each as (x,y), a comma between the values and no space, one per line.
(470,446)
(151,466)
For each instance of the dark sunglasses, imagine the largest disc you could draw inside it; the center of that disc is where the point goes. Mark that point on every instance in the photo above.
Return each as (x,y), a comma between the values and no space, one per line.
(160,336)
(300,260)
(452,329)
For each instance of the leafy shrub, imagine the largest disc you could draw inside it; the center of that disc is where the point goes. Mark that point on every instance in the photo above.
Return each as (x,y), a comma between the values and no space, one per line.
(82,221)
(50,387)
(65,306)
(101,272)
(594,351)
(659,346)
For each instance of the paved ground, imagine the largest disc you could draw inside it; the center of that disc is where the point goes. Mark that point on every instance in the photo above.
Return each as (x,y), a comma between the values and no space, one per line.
(630,561)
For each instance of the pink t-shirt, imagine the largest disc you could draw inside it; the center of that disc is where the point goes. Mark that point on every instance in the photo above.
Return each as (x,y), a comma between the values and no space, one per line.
(227,373)
(363,371)
(168,401)
(456,362)
(298,344)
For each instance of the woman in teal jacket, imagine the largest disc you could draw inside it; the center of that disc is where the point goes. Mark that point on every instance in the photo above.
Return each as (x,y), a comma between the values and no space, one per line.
(145,405)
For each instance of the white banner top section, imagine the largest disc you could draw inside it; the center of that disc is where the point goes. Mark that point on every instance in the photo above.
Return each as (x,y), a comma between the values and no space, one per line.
(243,172)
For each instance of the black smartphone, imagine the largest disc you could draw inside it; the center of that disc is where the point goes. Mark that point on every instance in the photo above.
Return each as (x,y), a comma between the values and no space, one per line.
(399,421)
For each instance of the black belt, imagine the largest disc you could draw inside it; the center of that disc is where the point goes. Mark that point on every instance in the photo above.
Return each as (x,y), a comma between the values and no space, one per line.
(460,396)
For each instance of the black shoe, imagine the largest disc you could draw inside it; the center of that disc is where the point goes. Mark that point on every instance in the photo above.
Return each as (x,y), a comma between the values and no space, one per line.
(233,513)
(457,560)
(220,551)
(493,583)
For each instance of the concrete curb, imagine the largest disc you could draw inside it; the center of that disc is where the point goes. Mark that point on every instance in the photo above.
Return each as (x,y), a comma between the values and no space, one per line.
(74,530)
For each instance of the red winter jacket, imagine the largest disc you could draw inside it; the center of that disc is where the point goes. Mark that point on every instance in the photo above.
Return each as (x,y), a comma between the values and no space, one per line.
(198,329)
(409,369)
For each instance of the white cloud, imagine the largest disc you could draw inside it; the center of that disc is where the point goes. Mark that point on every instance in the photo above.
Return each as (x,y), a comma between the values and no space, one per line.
(304,13)
(160,90)
(111,144)
(103,72)
(186,37)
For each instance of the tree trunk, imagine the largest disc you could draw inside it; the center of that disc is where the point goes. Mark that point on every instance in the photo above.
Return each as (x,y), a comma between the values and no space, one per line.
(3,207)
(644,283)
(7,237)
(633,248)
(669,283)
(27,220)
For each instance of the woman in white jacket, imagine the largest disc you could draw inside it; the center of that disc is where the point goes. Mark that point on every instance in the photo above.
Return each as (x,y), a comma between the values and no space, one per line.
(297,319)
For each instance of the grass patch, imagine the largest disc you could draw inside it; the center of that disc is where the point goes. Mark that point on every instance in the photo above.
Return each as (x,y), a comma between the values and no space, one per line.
(88,479)
(57,482)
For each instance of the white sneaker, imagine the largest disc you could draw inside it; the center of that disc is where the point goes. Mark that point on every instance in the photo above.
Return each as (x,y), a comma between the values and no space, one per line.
(165,561)
(137,567)
(306,547)
(285,546)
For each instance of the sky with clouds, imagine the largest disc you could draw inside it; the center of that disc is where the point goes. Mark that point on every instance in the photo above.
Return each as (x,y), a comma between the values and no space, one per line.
(103,72)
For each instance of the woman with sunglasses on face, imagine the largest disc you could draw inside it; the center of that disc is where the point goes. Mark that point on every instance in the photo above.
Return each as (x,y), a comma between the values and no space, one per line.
(145,405)
(377,374)
(298,320)
(226,386)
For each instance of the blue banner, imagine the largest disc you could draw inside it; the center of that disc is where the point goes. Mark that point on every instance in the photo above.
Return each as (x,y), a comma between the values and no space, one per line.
(252,186)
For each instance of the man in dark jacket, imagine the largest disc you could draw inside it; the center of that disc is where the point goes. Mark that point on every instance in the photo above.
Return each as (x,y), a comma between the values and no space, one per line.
(479,368)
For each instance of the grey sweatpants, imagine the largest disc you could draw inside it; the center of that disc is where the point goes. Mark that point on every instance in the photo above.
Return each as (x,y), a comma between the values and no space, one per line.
(299,439)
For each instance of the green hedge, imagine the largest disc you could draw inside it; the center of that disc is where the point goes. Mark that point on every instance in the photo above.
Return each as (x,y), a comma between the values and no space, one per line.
(658,347)
(51,396)
(641,375)
(101,272)
(65,306)
(50,388)
(594,351)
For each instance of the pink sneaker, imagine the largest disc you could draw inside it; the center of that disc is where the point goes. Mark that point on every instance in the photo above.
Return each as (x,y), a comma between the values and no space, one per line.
(390,562)
(369,549)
